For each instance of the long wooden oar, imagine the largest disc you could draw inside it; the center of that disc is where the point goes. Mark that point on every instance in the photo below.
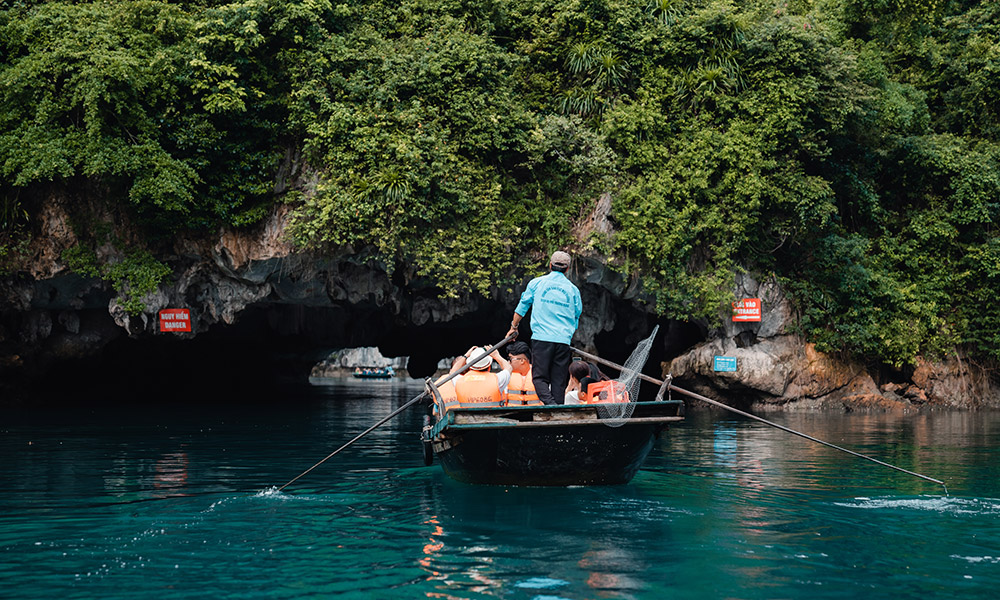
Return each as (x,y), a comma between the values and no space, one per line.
(756,418)
(416,399)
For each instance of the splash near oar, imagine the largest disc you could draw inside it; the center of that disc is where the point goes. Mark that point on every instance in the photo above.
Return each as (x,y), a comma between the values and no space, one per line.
(756,418)
(415,400)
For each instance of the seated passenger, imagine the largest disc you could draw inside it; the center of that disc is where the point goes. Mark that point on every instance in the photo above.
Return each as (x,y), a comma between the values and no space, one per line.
(578,371)
(521,389)
(593,391)
(585,383)
(478,386)
(447,389)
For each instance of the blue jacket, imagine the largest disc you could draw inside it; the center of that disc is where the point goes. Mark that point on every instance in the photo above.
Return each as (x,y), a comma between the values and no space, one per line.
(556,307)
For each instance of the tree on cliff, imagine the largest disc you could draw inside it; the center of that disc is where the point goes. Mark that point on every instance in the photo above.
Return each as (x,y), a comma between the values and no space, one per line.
(847,147)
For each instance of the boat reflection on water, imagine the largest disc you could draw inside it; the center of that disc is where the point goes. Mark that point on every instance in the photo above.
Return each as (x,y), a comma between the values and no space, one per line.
(129,479)
(611,569)
(171,472)
(472,579)
(493,549)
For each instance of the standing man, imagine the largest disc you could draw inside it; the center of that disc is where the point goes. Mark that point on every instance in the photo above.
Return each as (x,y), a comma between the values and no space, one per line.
(555,312)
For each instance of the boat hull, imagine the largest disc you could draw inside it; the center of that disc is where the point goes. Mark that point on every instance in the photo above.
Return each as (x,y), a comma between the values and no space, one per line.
(548,446)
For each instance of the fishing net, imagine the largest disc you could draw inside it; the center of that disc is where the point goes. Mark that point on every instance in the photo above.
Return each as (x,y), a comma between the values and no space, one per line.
(618,399)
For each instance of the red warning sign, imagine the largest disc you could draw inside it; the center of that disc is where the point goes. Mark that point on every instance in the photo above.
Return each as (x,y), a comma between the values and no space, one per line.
(175,319)
(746,310)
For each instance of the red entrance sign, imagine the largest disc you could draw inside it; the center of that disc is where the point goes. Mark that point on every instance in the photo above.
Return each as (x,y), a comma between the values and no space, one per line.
(175,319)
(747,309)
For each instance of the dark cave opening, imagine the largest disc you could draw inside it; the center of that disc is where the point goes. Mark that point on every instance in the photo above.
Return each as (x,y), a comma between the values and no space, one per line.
(271,347)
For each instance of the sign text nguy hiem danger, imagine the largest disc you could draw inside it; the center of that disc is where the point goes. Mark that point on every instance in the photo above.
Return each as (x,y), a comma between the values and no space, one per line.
(175,320)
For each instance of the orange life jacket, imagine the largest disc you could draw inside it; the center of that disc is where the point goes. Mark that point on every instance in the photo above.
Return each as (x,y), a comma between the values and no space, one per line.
(521,390)
(448,395)
(604,391)
(478,388)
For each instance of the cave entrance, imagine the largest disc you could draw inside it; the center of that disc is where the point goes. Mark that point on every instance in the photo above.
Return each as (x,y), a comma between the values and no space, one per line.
(273,346)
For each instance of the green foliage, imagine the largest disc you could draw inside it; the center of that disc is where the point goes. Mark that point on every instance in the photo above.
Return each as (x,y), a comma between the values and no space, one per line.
(850,148)
(881,312)
(725,174)
(174,105)
(83,260)
(762,139)
(14,237)
(133,275)
(959,72)
(428,154)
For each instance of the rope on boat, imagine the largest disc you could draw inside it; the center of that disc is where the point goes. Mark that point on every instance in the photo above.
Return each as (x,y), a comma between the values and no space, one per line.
(418,398)
(672,387)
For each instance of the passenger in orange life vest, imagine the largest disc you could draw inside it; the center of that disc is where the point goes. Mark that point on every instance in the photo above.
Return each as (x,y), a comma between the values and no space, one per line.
(478,386)
(521,389)
(447,389)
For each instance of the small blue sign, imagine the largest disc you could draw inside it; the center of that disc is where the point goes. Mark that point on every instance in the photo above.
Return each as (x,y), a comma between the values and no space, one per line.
(725,363)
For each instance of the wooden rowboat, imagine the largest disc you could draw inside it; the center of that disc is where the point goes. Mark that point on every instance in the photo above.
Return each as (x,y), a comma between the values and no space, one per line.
(545,445)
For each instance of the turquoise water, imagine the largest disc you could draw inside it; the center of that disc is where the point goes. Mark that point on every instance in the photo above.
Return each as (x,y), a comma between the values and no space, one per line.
(179,502)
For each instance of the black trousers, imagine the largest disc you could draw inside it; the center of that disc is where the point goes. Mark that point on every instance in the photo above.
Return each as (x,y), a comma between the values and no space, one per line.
(550,370)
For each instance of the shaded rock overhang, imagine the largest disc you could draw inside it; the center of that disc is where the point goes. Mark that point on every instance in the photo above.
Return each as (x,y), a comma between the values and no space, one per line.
(260,308)
(276,320)
(264,312)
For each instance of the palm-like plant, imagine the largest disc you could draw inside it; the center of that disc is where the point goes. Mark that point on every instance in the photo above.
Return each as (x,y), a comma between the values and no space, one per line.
(362,188)
(597,72)
(665,11)
(393,184)
(610,70)
(711,79)
(580,101)
(580,58)
(686,88)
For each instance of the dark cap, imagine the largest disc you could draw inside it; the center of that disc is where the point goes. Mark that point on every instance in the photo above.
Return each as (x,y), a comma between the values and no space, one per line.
(560,259)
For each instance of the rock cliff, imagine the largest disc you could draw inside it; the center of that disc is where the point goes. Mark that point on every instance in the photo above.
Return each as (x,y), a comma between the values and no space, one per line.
(252,285)
(778,369)
(343,362)
(250,291)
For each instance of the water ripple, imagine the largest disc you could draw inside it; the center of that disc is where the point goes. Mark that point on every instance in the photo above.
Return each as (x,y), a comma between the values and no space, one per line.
(978,559)
(942,504)
(120,508)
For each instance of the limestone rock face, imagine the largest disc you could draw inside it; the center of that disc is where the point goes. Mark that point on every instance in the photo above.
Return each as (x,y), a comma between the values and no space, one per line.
(254,281)
(343,362)
(778,369)
(954,382)
(778,372)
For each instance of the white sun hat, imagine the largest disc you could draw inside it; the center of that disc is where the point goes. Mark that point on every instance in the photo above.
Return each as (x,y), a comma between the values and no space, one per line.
(483,363)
